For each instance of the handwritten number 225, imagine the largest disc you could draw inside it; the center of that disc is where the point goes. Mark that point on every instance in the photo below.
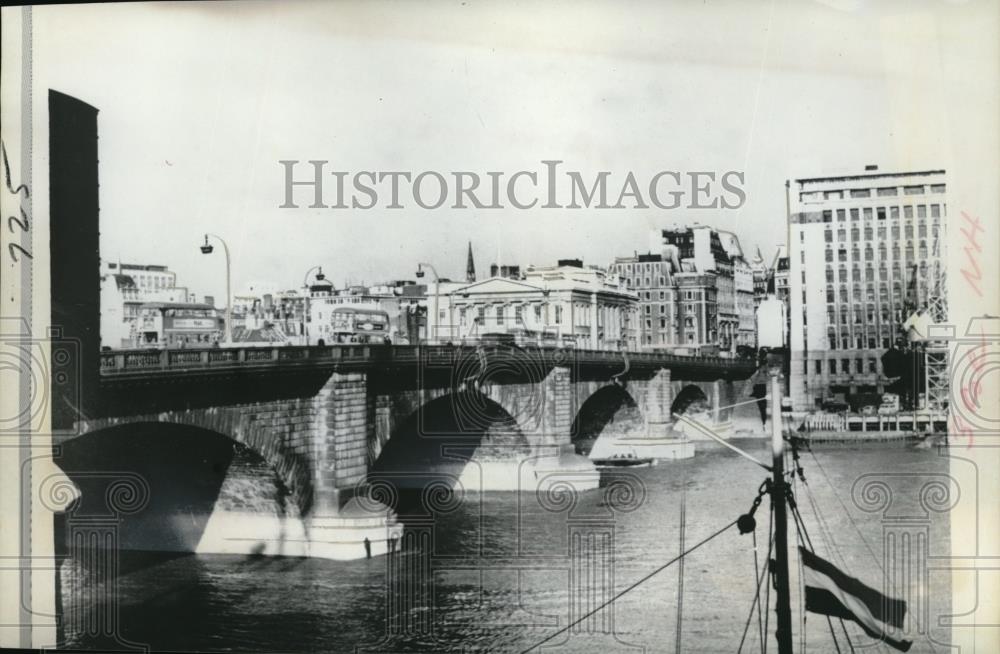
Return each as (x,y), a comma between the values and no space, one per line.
(23,221)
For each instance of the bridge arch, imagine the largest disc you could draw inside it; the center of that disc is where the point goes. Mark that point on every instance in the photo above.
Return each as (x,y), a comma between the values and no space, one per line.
(283,451)
(195,485)
(435,443)
(690,399)
(609,409)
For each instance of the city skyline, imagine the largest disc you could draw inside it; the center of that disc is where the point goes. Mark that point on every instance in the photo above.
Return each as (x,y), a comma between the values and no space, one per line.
(194,146)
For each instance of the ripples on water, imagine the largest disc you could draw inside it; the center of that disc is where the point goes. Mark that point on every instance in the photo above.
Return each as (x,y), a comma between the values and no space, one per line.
(482,601)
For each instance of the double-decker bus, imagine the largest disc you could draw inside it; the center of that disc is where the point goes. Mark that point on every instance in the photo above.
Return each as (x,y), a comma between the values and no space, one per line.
(354,325)
(177,324)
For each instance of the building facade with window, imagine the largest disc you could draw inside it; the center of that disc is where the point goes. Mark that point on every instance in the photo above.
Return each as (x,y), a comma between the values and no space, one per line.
(714,309)
(651,277)
(864,254)
(567,305)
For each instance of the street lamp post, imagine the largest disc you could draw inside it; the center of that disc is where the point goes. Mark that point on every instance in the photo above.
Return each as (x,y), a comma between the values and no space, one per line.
(207,249)
(437,282)
(305,282)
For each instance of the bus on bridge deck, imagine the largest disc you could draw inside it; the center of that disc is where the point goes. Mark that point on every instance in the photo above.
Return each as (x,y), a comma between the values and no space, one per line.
(177,324)
(353,325)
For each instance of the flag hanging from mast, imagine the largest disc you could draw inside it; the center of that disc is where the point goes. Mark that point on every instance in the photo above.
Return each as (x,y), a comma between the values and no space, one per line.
(831,592)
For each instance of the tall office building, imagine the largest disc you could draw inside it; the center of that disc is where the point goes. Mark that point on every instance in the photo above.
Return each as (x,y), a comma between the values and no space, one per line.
(865,251)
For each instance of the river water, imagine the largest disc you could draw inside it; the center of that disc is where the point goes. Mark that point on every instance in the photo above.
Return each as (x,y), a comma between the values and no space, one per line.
(494,572)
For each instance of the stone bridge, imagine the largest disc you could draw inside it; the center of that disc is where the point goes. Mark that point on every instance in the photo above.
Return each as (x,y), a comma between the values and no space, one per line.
(310,450)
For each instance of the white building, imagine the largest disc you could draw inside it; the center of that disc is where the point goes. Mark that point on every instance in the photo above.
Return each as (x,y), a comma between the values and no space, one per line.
(863,253)
(565,304)
(124,288)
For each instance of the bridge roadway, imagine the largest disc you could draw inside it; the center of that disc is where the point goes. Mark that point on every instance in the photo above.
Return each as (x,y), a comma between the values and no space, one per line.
(348,358)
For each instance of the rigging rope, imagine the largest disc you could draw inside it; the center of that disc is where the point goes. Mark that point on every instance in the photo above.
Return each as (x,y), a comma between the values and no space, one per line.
(655,572)
(800,525)
(680,569)
(800,529)
(846,511)
(767,589)
(756,600)
(757,573)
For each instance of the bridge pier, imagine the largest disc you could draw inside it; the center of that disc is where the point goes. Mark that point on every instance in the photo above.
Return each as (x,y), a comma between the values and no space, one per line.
(339,524)
(659,398)
(661,441)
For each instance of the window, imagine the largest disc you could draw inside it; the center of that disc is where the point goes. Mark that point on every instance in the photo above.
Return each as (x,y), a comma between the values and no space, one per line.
(500,316)
(538,312)
(841,215)
(937,188)
(880,213)
(872,365)
(894,212)
(861,193)
(887,191)
(832,366)
(834,195)
(818,366)
(935,211)
(859,365)
(559,311)
(914,190)
(921,211)
(867,213)
(828,236)
(828,216)
(854,214)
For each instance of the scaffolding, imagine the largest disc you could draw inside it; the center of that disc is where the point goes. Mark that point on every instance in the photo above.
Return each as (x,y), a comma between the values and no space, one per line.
(936,373)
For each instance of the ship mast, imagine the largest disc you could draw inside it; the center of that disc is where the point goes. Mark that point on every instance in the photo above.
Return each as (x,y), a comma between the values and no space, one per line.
(778,488)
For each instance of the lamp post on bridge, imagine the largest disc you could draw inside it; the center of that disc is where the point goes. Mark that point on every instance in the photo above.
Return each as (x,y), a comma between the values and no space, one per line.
(437,284)
(305,282)
(208,249)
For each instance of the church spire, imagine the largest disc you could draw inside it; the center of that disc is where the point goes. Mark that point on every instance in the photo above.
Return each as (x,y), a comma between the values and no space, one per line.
(470,266)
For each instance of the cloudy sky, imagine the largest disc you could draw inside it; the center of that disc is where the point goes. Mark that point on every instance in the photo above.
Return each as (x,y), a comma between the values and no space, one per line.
(199,102)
